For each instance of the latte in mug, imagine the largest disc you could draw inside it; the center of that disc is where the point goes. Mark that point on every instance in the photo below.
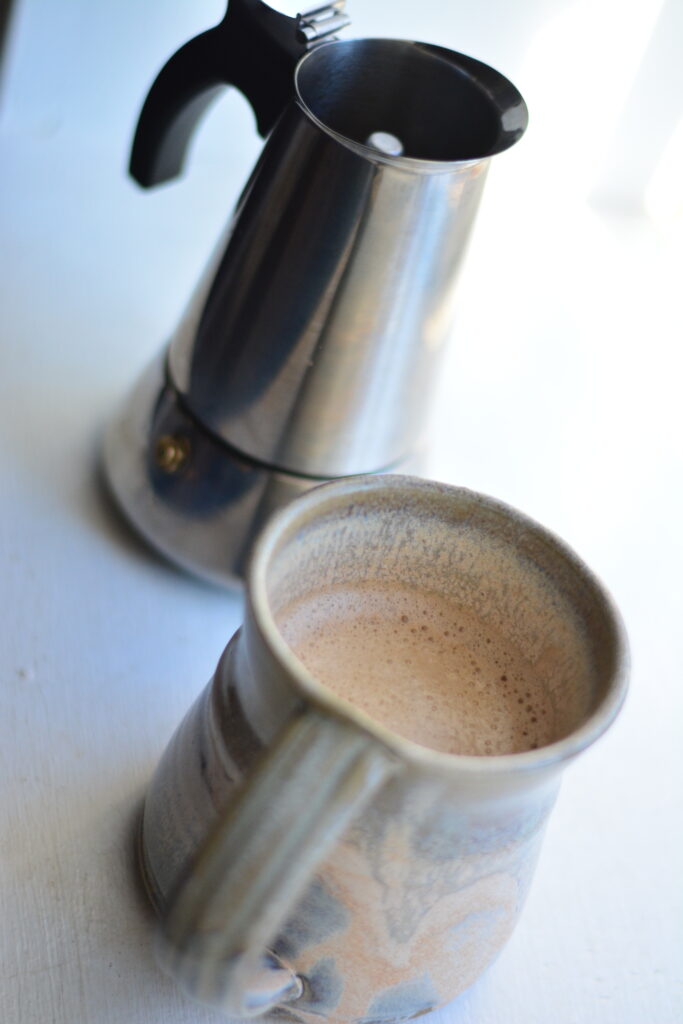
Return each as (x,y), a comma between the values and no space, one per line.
(425,668)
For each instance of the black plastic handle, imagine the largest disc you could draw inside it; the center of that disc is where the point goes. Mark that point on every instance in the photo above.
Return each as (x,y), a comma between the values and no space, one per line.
(253,48)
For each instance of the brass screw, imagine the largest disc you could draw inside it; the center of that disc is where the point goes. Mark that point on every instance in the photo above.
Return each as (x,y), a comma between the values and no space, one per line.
(171,452)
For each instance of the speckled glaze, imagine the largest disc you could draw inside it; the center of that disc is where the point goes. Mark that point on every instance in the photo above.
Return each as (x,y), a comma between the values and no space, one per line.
(409,887)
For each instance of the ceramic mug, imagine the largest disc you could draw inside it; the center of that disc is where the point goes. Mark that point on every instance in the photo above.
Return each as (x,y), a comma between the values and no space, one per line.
(304,857)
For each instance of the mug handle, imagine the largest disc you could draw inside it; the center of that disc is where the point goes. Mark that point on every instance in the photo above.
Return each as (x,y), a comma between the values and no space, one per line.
(258,860)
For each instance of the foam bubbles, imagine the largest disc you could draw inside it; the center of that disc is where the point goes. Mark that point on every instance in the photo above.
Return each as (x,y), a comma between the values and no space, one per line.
(427,669)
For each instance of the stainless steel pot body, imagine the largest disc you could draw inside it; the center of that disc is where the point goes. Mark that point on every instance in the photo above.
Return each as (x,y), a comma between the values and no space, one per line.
(310,346)
(313,341)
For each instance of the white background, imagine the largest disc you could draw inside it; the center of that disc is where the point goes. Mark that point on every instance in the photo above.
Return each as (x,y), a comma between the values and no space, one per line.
(561,395)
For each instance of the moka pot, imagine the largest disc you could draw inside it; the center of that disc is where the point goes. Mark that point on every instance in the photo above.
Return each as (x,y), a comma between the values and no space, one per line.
(310,346)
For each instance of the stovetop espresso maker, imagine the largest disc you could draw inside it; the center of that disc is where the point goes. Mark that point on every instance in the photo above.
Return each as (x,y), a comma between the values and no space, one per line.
(310,345)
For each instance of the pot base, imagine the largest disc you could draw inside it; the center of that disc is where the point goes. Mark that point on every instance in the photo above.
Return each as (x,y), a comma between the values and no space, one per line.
(195,499)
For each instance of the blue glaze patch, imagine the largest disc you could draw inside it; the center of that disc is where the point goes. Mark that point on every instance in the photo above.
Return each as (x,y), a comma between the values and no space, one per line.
(478,927)
(317,916)
(323,987)
(408,999)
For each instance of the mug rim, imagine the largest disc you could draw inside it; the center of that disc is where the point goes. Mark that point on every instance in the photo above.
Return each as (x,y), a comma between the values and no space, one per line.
(308,686)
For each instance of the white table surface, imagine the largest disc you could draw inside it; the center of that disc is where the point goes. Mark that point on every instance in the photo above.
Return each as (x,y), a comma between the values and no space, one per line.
(560,394)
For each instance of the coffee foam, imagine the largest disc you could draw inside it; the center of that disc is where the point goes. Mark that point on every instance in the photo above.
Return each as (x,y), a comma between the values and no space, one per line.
(423,666)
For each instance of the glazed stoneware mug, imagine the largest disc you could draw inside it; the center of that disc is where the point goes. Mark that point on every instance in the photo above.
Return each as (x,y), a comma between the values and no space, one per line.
(346,823)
